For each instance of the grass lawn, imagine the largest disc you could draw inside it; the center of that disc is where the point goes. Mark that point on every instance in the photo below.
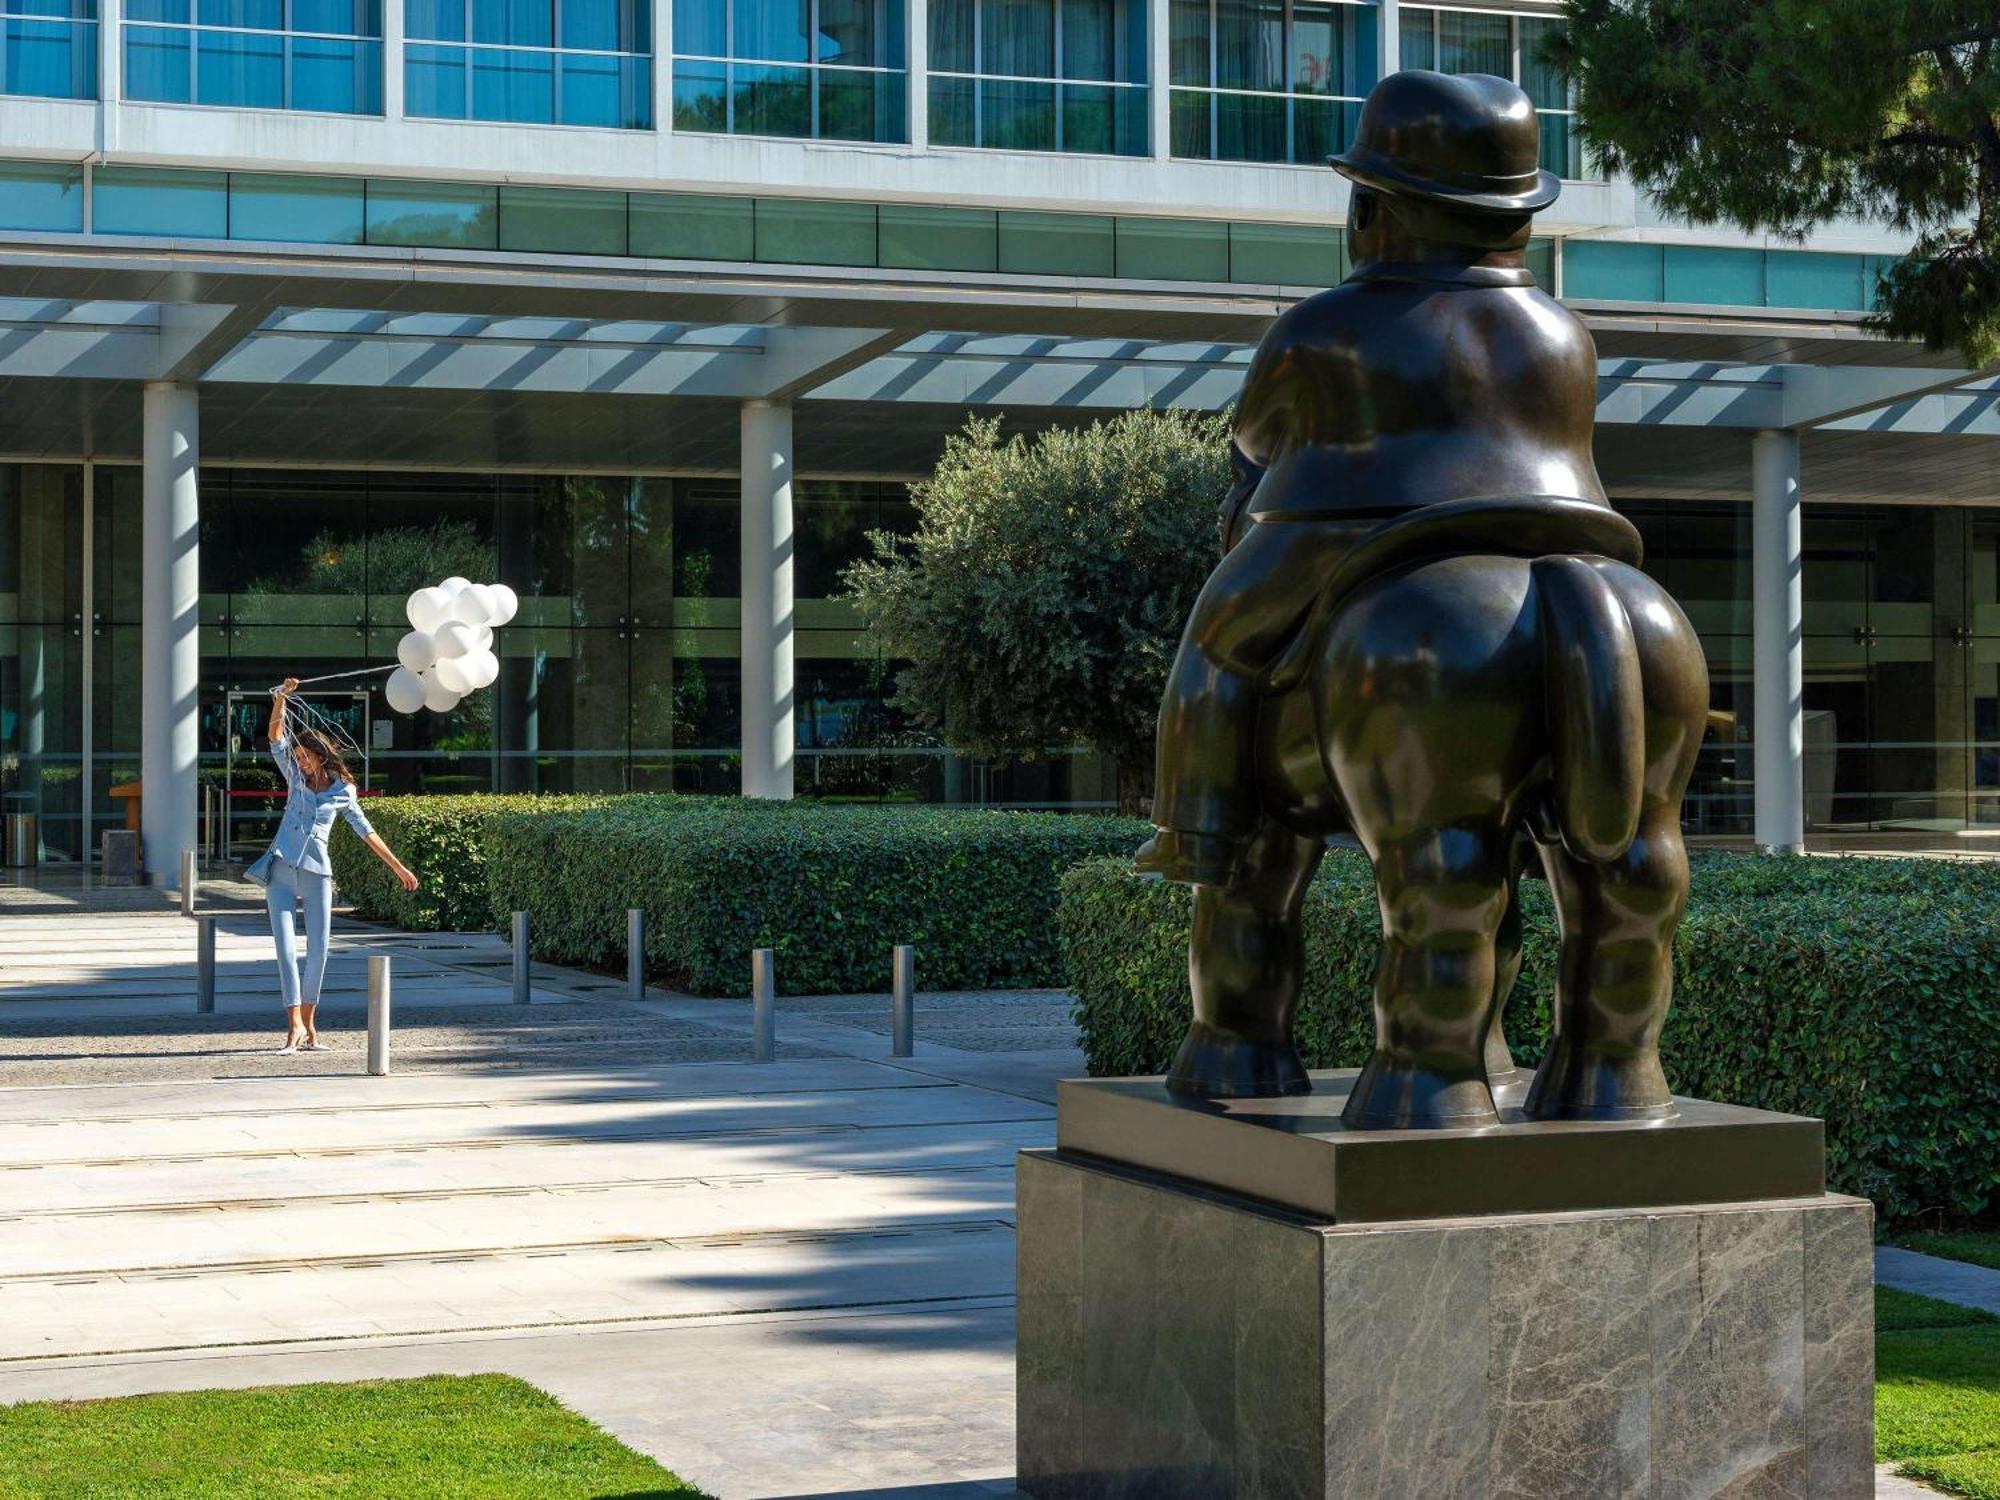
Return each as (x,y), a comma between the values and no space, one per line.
(1979,1246)
(438,1438)
(1937,1392)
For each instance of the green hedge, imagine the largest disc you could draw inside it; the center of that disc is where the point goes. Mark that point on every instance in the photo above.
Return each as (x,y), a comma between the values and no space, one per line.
(442,839)
(829,888)
(1862,991)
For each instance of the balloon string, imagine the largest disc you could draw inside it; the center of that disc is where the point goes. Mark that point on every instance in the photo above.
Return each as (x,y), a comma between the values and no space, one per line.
(336,676)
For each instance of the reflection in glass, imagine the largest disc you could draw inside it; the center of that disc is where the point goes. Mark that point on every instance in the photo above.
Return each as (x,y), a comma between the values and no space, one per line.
(536,62)
(1267,80)
(810,69)
(1039,75)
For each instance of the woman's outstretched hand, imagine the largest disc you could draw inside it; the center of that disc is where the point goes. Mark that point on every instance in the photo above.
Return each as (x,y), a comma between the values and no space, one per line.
(288,687)
(407,877)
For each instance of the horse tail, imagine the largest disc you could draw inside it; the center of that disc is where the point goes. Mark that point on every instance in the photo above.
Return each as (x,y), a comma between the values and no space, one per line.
(1596,707)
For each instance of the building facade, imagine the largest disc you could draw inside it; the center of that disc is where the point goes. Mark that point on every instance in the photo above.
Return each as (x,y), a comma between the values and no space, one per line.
(652,308)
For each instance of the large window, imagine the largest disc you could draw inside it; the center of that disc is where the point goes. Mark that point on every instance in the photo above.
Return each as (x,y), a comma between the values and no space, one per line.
(1039,75)
(1509,46)
(49,48)
(815,69)
(256,54)
(534,62)
(1264,80)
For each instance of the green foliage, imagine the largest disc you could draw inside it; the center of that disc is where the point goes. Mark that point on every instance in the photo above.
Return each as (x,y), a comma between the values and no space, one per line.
(829,888)
(1041,598)
(435,1438)
(1785,114)
(1979,1247)
(442,840)
(1862,991)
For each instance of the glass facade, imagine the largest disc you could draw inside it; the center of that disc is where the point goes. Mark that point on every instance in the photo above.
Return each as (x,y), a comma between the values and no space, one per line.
(1511,46)
(621,670)
(323,55)
(48,48)
(814,69)
(1631,271)
(531,62)
(1268,80)
(1039,75)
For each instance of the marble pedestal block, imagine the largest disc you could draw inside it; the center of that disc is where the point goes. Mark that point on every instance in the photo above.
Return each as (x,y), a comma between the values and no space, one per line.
(1179,1340)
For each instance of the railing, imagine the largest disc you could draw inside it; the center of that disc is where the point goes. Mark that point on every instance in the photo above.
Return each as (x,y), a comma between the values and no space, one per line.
(1021,112)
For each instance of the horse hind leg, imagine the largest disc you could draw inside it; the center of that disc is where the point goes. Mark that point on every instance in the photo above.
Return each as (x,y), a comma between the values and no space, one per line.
(1444,895)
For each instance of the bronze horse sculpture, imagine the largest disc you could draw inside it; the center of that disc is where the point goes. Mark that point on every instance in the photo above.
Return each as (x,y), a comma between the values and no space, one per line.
(1429,630)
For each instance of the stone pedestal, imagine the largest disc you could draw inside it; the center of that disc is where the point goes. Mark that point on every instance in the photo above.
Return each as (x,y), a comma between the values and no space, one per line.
(1183,1339)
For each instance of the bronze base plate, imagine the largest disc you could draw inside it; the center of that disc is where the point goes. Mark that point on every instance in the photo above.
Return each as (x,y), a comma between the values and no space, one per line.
(1294,1152)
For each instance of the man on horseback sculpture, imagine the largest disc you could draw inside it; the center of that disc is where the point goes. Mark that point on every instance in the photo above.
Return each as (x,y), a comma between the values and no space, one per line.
(1428,630)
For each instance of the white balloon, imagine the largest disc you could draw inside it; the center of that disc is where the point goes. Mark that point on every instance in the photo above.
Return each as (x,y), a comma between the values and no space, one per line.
(454,583)
(482,638)
(453,638)
(426,609)
(404,690)
(474,604)
(438,698)
(449,674)
(480,668)
(505,603)
(416,651)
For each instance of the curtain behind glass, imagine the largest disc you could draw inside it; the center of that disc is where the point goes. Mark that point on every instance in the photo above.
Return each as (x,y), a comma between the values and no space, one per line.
(951,28)
(773,30)
(1250,44)
(1471,43)
(1017,38)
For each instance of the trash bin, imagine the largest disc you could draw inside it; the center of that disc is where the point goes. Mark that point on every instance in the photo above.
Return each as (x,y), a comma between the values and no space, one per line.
(20,831)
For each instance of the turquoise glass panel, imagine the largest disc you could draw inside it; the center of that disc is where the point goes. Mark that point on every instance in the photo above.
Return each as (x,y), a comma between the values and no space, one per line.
(143,200)
(336,76)
(442,215)
(615,93)
(516,87)
(240,69)
(1172,250)
(673,227)
(47,197)
(434,82)
(1706,274)
(701,28)
(434,20)
(1806,278)
(1042,244)
(939,239)
(1613,271)
(158,65)
(1541,259)
(701,96)
(49,59)
(816,234)
(1286,254)
(562,221)
(313,210)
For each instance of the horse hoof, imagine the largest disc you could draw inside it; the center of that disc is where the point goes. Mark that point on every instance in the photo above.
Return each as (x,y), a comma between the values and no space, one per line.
(1580,1084)
(1212,1064)
(1399,1096)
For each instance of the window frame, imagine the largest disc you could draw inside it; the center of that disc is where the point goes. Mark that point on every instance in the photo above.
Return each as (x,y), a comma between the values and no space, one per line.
(1515,63)
(82,24)
(194,29)
(1057,83)
(1212,92)
(470,50)
(813,66)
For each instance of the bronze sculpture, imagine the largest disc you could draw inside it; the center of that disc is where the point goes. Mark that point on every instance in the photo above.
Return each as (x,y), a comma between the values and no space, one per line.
(1429,629)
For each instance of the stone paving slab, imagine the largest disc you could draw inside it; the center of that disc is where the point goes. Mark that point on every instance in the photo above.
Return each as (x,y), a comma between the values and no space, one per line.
(1933,1276)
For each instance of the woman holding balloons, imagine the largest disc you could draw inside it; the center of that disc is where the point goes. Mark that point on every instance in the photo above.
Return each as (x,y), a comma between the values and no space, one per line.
(296,868)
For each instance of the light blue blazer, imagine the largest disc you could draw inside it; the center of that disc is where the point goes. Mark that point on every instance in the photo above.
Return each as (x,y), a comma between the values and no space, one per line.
(308,819)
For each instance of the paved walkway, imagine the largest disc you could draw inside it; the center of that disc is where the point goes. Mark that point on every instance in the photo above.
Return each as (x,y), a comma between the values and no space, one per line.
(793,1279)
(1933,1276)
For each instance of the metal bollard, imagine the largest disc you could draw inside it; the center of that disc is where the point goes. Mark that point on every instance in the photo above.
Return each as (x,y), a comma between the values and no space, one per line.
(635,954)
(204,965)
(763,989)
(187,882)
(378,1014)
(903,1001)
(521,958)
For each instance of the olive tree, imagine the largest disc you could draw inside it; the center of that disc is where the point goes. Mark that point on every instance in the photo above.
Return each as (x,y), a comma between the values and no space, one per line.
(1039,601)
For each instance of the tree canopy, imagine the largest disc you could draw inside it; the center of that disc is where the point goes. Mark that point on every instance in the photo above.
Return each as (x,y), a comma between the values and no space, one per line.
(1042,595)
(1780,115)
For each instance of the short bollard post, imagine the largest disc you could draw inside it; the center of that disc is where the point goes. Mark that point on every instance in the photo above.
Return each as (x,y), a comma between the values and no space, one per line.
(204,965)
(763,1021)
(520,958)
(903,1004)
(187,882)
(635,954)
(378,1014)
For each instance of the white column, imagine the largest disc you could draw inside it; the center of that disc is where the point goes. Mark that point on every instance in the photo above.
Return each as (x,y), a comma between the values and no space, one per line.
(392,59)
(917,53)
(663,67)
(110,78)
(169,614)
(1159,95)
(769,738)
(1778,614)
(1388,39)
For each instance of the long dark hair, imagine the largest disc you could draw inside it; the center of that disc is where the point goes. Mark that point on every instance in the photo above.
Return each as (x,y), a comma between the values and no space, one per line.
(323,749)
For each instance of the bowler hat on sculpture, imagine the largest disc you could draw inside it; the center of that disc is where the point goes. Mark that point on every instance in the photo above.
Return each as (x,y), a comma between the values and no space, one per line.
(1466,140)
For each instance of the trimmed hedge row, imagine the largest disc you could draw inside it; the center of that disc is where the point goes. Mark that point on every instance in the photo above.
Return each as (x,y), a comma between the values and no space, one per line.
(1863,991)
(444,840)
(829,888)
